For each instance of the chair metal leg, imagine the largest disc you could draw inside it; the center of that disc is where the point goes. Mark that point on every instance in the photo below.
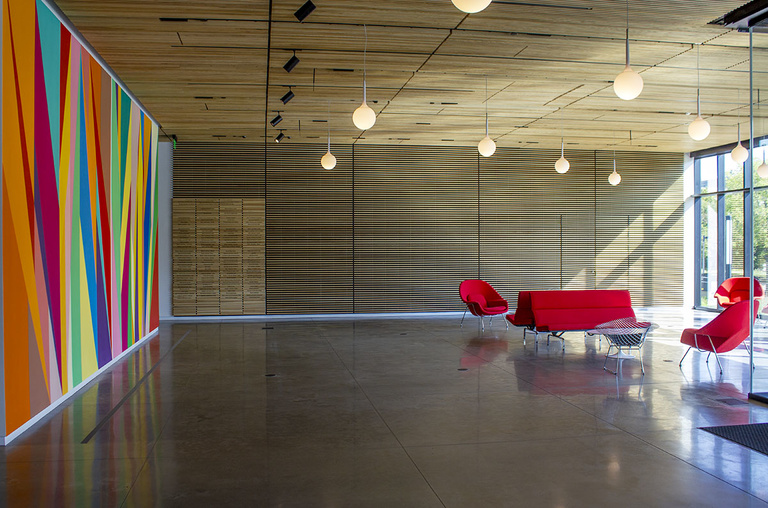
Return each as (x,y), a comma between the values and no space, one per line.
(716,357)
(684,355)
(482,322)
(640,354)
(461,325)
(607,354)
(490,322)
(524,330)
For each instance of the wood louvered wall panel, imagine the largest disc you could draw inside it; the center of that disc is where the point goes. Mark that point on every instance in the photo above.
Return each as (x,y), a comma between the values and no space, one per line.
(415,227)
(649,199)
(396,228)
(218,256)
(309,231)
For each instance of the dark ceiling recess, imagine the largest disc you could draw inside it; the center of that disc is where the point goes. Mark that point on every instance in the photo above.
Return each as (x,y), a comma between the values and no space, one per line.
(305,10)
(753,14)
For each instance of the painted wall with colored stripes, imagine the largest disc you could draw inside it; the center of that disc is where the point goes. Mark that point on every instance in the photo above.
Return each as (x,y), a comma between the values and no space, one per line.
(79,214)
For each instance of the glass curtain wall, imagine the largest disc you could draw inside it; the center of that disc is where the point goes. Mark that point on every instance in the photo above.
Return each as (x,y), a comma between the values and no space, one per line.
(758,42)
(720,207)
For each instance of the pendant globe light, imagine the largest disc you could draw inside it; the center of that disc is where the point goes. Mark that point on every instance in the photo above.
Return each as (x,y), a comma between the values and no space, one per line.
(471,6)
(486,146)
(328,161)
(739,154)
(364,117)
(562,165)
(628,84)
(762,169)
(699,128)
(614,178)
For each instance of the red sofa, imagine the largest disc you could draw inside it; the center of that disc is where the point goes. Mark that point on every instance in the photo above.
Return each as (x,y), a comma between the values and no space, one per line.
(558,311)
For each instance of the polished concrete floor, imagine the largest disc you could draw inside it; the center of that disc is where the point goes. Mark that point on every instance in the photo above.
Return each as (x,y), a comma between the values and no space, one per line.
(399,412)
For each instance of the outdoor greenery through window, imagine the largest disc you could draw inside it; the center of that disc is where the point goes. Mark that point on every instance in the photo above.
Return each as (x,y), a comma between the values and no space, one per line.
(720,200)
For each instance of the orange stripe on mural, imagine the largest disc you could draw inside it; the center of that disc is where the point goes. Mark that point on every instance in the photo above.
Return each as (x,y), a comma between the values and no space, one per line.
(16,330)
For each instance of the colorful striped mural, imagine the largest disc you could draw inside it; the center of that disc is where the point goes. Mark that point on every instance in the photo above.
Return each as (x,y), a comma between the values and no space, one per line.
(79,214)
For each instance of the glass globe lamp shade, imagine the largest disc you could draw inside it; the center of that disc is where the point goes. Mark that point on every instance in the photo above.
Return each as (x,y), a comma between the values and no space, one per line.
(628,84)
(364,117)
(486,147)
(762,170)
(739,154)
(614,179)
(471,6)
(562,165)
(328,161)
(698,129)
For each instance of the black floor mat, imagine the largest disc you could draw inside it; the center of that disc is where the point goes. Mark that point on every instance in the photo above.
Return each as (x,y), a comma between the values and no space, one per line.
(754,435)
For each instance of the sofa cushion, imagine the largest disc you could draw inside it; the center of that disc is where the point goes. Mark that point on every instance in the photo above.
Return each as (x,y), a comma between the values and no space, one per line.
(565,310)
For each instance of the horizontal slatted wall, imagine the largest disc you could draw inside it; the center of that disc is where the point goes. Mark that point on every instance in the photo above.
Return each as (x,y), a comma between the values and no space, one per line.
(396,228)
(648,252)
(536,226)
(415,227)
(218,170)
(309,231)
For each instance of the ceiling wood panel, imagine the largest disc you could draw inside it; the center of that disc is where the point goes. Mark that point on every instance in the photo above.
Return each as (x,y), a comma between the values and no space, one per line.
(201,68)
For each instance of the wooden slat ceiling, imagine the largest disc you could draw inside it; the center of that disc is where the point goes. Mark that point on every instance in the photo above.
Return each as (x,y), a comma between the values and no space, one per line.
(200,67)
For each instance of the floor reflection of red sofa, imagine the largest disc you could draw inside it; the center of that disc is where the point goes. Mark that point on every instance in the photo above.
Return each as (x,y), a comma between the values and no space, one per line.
(482,351)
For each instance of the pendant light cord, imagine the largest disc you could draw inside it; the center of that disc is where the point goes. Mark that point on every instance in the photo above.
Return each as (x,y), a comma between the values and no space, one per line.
(738,115)
(698,82)
(562,137)
(365,54)
(329,126)
(486,106)
(627,49)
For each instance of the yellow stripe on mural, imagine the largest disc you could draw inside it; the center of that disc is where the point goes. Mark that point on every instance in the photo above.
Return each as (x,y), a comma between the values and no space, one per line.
(88,361)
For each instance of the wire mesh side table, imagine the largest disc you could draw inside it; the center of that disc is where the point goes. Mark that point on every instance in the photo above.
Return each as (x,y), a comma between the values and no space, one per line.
(624,334)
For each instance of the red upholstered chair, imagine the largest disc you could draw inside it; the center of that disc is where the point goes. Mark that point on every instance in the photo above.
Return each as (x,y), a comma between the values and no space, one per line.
(722,334)
(481,299)
(736,289)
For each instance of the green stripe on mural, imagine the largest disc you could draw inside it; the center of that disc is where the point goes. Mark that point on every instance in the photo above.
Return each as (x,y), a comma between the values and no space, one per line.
(76,375)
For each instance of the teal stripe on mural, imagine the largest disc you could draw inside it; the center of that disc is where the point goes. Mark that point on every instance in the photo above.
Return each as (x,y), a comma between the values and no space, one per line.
(77,365)
(50,42)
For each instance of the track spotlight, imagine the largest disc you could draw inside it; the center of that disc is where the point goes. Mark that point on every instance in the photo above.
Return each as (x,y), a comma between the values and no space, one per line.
(287,97)
(291,63)
(279,137)
(305,10)
(276,120)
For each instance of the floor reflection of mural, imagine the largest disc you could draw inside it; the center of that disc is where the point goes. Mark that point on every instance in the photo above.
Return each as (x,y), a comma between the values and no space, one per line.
(74,466)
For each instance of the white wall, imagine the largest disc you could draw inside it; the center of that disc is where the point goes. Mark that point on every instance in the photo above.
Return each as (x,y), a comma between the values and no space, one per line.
(164,185)
(689,242)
